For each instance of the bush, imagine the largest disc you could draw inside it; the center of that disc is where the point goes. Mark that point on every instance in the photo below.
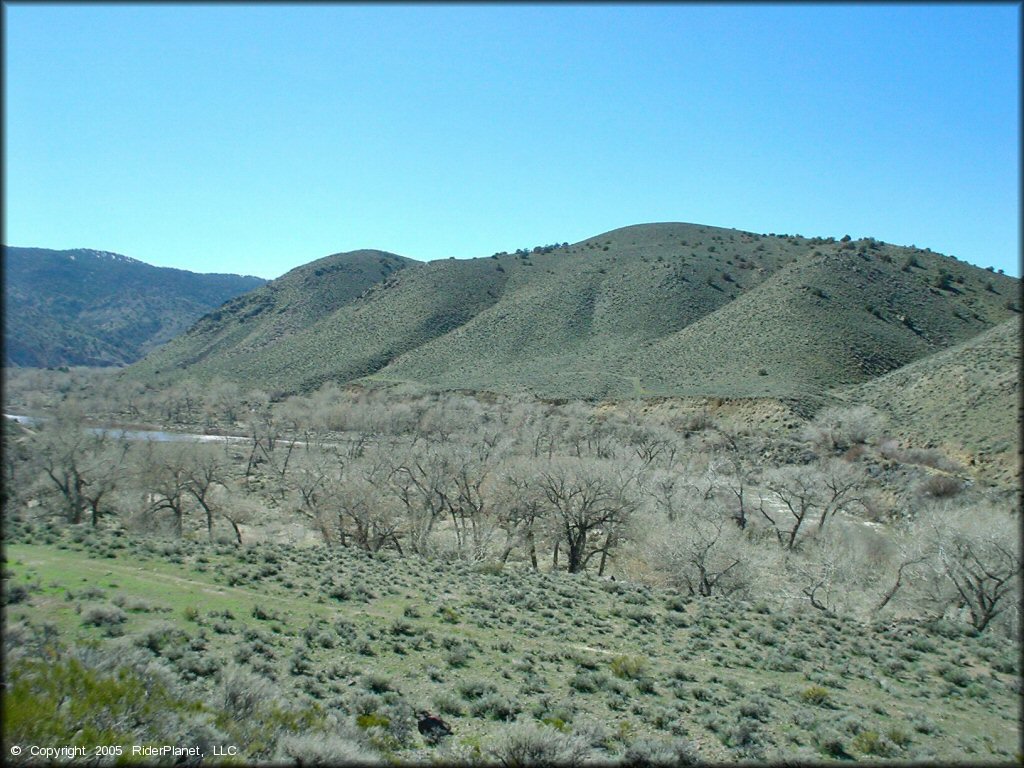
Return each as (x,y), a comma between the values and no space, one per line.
(629,667)
(588,682)
(448,704)
(873,743)
(525,744)
(323,749)
(16,593)
(103,615)
(816,695)
(242,693)
(475,689)
(493,706)
(160,636)
(45,702)
(941,486)
(651,751)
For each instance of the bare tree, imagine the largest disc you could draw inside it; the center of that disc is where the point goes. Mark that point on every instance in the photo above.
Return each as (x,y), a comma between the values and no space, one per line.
(81,464)
(802,494)
(589,505)
(521,505)
(204,473)
(163,475)
(702,551)
(835,430)
(979,554)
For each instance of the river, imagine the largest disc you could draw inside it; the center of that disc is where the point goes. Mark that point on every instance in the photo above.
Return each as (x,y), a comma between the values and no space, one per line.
(155,435)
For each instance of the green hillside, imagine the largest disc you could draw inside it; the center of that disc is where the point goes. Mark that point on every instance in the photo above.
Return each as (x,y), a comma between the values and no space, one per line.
(85,307)
(655,309)
(963,400)
(282,308)
(321,655)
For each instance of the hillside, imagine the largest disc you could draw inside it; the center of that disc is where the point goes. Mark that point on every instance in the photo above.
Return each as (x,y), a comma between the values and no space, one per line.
(656,309)
(85,307)
(325,653)
(963,400)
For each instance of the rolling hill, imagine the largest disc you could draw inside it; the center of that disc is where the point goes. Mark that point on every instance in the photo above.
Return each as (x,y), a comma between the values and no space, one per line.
(654,309)
(963,400)
(85,307)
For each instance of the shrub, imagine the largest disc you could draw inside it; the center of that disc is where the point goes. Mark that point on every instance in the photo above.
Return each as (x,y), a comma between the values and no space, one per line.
(16,593)
(941,486)
(493,706)
(159,636)
(526,744)
(242,693)
(458,656)
(323,749)
(756,707)
(650,751)
(378,683)
(103,615)
(448,704)
(873,743)
(475,689)
(815,695)
(46,701)
(588,682)
(629,667)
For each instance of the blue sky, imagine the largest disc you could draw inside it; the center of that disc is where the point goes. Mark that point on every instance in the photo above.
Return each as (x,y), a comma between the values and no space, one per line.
(253,139)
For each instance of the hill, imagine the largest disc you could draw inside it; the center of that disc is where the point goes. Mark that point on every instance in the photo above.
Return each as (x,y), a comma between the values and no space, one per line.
(655,309)
(963,400)
(85,307)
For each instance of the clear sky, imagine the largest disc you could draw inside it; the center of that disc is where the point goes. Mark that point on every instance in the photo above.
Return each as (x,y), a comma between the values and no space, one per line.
(253,139)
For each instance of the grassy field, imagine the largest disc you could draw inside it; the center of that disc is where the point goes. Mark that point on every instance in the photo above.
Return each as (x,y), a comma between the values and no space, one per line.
(339,641)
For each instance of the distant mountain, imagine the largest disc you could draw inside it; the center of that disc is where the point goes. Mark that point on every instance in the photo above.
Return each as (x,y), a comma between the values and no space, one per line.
(654,309)
(85,307)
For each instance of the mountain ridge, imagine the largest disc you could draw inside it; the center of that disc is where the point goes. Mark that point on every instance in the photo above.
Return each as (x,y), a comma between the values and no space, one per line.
(91,307)
(652,309)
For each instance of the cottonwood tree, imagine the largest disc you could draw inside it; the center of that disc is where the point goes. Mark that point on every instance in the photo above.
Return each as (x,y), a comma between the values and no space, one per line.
(365,517)
(702,550)
(163,475)
(807,494)
(977,550)
(589,503)
(81,465)
(205,472)
(419,480)
(223,401)
(521,508)
(436,482)
(834,430)
(735,474)
(836,571)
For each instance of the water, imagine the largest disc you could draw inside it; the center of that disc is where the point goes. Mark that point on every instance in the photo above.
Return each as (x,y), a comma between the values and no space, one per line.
(154,435)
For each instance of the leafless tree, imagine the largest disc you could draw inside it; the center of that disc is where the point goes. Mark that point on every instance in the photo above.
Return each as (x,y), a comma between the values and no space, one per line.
(979,554)
(82,464)
(702,551)
(164,477)
(590,504)
(806,493)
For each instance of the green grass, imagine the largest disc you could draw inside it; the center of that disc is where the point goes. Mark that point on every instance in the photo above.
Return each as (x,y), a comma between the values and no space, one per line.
(644,679)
